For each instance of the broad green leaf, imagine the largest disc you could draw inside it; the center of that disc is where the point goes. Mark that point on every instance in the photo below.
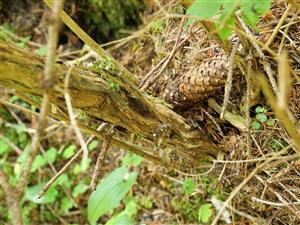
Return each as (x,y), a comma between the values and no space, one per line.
(126,216)
(69,151)
(4,147)
(224,27)
(188,186)
(20,128)
(260,109)
(262,6)
(92,145)
(225,22)
(248,13)
(38,162)
(51,154)
(256,125)
(32,192)
(77,169)
(110,192)
(261,117)
(205,212)
(79,189)
(65,204)
(131,159)
(251,10)
(63,180)
(202,9)
(23,138)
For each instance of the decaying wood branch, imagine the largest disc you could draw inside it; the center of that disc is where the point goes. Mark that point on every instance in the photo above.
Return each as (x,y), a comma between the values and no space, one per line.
(105,95)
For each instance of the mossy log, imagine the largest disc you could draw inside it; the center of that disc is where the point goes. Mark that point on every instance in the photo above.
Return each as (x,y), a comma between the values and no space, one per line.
(167,137)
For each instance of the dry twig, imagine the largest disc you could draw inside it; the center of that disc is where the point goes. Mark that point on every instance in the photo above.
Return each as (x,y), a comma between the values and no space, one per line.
(228,84)
(67,165)
(101,157)
(47,82)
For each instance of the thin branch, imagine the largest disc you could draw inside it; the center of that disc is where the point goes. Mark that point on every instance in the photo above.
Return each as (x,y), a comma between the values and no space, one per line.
(67,165)
(265,63)
(100,160)
(279,24)
(73,120)
(46,83)
(228,84)
(273,203)
(248,95)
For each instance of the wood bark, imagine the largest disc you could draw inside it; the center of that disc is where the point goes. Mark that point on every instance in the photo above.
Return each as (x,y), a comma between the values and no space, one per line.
(105,95)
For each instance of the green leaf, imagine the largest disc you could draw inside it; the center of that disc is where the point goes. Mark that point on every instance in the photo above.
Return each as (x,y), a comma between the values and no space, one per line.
(69,151)
(51,154)
(21,161)
(188,186)
(21,128)
(92,145)
(66,204)
(4,147)
(38,162)
(260,109)
(225,22)
(262,6)
(32,192)
(23,43)
(205,212)
(63,180)
(251,10)
(261,117)
(126,216)
(77,169)
(79,189)
(202,9)
(256,125)
(131,159)
(271,122)
(22,137)
(110,192)
(248,13)
(146,202)
(42,50)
